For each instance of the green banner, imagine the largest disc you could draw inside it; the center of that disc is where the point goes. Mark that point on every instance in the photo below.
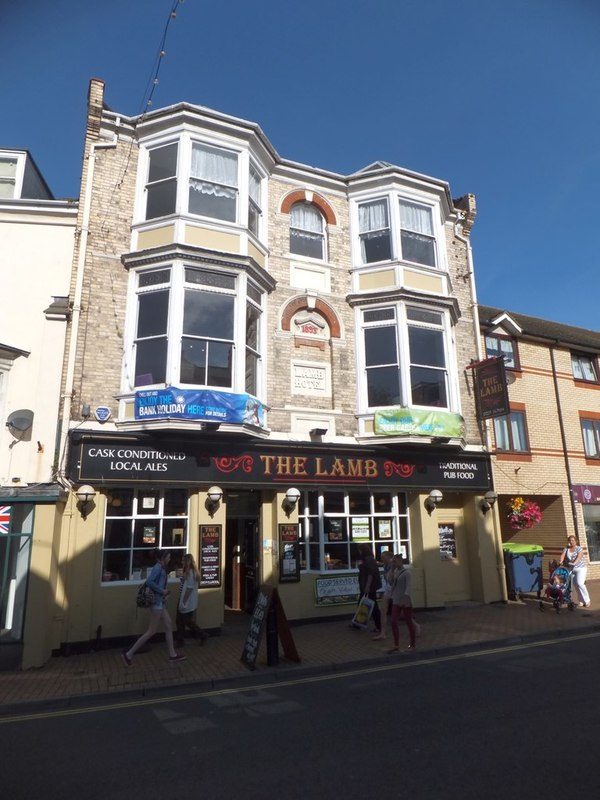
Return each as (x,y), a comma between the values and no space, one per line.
(418,422)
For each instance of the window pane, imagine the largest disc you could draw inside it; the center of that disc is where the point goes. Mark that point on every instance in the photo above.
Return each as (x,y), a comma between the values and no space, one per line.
(208,314)
(306,244)
(380,346)
(154,277)
(117,533)
(161,200)
(375,247)
(589,438)
(193,361)
(426,346)
(417,248)
(206,203)
(496,347)
(583,368)
(153,312)
(501,432)
(220,357)
(205,277)
(251,375)
(517,428)
(163,163)
(428,387)
(383,386)
(119,503)
(150,361)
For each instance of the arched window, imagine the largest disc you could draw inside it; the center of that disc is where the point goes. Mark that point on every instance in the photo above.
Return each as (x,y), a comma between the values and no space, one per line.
(307,231)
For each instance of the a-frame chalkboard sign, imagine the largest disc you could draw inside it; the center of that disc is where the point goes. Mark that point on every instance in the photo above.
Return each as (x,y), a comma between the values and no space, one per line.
(268,612)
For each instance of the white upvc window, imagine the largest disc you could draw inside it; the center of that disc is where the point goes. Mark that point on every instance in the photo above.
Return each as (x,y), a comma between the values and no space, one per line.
(213,183)
(185,176)
(195,326)
(307,231)
(405,359)
(254,200)
(12,169)
(393,227)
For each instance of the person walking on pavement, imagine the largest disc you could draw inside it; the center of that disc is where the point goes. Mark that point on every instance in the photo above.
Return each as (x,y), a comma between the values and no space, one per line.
(188,602)
(386,557)
(402,603)
(369,581)
(572,557)
(157,581)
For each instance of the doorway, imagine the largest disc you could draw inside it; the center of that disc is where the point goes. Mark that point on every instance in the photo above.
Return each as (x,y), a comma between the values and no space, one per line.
(242,550)
(456,574)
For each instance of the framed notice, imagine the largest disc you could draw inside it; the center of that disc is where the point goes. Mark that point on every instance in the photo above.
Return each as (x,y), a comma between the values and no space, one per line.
(289,553)
(210,555)
(447,541)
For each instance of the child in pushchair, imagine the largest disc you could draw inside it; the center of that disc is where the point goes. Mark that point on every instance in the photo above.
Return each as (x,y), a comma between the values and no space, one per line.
(558,590)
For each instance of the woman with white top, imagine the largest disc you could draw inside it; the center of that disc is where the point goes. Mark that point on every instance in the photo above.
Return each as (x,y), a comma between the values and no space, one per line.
(573,558)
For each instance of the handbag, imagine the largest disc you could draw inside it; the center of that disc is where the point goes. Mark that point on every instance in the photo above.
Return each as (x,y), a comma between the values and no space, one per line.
(145,596)
(363,612)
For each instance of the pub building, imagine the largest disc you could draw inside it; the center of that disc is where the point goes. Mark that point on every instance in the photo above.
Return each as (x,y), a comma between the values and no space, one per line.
(266,366)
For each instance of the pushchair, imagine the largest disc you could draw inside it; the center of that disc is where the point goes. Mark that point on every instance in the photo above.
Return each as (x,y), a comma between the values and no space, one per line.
(558,589)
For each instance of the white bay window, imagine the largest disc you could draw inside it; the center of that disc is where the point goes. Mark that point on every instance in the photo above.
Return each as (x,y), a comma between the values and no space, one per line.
(196,327)
(404,357)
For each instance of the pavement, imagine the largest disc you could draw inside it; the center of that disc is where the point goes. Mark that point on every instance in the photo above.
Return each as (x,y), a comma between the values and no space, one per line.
(322,646)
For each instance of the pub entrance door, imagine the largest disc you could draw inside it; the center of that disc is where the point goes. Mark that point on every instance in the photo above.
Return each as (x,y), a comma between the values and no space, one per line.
(242,551)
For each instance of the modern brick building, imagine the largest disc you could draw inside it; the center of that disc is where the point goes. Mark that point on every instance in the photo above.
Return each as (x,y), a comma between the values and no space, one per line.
(548,448)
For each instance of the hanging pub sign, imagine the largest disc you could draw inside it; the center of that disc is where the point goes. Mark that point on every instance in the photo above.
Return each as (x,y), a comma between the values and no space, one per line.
(491,391)
(210,555)
(289,556)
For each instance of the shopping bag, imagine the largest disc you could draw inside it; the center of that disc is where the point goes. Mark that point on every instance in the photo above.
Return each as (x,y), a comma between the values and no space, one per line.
(363,612)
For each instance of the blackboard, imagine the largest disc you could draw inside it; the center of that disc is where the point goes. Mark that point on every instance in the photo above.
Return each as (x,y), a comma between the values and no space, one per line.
(267,600)
(447,541)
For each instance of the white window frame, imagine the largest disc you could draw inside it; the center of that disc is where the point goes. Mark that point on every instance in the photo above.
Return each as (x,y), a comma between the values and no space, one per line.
(17,181)
(396,513)
(185,141)
(245,291)
(393,199)
(403,353)
(137,515)
(322,234)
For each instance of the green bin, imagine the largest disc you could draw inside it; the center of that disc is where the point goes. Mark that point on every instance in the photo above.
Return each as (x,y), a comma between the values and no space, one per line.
(524,568)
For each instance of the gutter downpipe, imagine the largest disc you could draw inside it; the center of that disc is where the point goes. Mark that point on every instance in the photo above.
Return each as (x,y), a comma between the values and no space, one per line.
(76,315)
(563,440)
(500,565)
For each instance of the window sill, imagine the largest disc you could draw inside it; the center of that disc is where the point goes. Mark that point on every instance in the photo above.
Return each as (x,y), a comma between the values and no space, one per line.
(586,384)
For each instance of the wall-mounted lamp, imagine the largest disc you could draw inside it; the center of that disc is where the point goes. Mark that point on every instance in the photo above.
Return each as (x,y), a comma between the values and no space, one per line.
(85,499)
(433,500)
(213,499)
(488,501)
(291,498)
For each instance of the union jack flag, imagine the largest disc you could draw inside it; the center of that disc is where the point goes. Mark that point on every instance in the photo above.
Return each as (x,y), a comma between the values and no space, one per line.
(4,518)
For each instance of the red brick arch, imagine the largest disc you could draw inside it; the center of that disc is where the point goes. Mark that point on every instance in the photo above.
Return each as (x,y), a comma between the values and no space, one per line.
(301,304)
(305,196)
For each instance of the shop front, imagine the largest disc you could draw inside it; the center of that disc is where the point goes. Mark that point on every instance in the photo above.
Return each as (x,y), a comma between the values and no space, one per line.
(290,515)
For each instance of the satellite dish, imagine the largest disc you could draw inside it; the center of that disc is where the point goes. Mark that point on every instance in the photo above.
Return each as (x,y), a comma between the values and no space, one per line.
(510,378)
(20,421)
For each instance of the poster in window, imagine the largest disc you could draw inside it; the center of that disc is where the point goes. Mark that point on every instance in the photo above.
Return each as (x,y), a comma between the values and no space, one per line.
(384,528)
(149,534)
(334,529)
(360,529)
(289,553)
(210,555)
(447,541)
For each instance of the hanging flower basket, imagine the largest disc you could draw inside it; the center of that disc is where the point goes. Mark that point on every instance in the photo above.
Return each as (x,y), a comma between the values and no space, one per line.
(523,513)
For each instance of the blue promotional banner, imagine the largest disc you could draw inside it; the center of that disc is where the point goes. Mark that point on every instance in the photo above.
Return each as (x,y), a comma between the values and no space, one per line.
(199,404)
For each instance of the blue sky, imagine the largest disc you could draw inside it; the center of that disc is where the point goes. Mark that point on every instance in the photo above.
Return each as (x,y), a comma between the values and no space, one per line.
(497,97)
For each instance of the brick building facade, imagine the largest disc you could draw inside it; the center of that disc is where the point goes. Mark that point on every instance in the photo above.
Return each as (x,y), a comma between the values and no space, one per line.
(266,367)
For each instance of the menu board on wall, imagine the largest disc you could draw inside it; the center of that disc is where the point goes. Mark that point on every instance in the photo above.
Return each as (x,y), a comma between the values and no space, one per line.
(447,541)
(289,555)
(210,555)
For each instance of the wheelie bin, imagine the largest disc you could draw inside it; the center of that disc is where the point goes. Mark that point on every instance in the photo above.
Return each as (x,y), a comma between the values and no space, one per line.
(524,570)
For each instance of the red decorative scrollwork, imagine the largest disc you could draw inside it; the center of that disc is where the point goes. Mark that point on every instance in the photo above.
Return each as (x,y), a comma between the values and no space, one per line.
(227,464)
(404,470)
